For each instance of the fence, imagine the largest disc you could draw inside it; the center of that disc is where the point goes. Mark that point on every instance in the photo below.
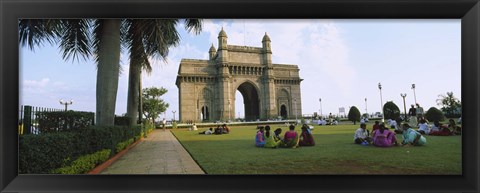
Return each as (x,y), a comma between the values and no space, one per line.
(29,118)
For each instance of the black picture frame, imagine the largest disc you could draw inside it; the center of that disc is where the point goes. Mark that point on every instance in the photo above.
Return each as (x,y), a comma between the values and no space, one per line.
(466,10)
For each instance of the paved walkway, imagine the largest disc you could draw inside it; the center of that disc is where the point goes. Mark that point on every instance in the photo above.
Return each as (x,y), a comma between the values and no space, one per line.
(159,153)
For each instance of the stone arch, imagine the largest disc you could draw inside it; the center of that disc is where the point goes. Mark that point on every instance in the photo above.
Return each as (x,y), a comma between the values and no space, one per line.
(233,67)
(251,99)
(284,103)
(204,104)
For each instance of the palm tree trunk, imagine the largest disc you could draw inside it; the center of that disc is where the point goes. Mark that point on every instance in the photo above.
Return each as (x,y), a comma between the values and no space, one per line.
(133,100)
(108,71)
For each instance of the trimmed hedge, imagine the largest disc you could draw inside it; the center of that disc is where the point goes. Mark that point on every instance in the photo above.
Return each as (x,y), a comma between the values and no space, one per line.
(122,145)
(84,163)
(122,121)
(41,154)
(49,122)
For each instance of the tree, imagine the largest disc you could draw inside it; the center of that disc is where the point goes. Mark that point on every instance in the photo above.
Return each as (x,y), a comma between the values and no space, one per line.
(153,105)
(354,114)
(433,114)
(450,104)
(149,38)
(391,110)
(73,36)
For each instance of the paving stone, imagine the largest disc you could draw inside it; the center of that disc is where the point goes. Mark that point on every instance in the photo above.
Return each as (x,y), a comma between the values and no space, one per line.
(159,153)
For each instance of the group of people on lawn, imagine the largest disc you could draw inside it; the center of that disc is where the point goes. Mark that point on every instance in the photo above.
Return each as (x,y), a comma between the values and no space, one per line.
(291,139)
(381,136)
(224,129)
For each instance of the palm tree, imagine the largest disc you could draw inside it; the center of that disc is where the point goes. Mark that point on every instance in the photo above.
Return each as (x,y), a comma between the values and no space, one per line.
(149,38)
(449,103)
(73,38)
(73,35)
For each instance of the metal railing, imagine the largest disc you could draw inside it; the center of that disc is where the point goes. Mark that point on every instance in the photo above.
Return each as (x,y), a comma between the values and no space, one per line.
(28,120)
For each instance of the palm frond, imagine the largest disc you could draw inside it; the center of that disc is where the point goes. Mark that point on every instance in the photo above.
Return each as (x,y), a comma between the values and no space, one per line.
(194,25)
(75,38)
(33,32)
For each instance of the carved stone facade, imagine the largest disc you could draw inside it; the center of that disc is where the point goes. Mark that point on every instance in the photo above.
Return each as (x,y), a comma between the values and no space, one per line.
(207,87)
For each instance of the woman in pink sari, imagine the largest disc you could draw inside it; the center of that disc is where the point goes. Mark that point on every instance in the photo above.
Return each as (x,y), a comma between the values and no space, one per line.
(383,137)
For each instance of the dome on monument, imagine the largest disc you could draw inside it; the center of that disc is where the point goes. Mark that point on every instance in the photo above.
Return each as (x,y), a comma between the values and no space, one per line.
(212,49)
(222,33)
(266,38)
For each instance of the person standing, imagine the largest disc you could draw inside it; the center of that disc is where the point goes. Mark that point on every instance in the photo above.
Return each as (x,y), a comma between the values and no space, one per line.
(164,124)
(412,115)
(420,112)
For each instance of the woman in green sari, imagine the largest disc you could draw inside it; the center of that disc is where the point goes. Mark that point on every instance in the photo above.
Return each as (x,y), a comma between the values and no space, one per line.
(269,138)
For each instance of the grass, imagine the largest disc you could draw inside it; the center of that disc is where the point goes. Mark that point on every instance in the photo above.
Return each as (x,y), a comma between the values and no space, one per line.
(334,153)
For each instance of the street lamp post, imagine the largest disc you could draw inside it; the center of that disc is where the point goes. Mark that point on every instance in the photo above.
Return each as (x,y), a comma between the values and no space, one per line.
(414,95)
(366,111)
(404,105)
(320,99)
(174,115)
(66,103)
(381,101)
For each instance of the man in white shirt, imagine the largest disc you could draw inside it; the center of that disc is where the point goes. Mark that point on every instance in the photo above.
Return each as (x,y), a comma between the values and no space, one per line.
(423,127)
(361,135)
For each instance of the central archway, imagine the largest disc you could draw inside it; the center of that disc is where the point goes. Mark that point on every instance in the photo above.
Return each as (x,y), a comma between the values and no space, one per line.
(250,100)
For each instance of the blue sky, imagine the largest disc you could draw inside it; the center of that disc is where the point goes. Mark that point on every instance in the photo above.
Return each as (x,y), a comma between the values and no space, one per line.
(341,62)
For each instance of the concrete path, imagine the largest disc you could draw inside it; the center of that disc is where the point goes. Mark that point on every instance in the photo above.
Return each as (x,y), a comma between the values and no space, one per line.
(159,153)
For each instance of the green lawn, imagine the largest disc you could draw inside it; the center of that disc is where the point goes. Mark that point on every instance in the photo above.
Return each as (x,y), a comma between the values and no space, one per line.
(334,153)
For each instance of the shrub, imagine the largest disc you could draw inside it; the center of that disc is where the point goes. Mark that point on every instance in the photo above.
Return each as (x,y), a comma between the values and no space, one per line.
(174,125)
(434,114)
(354,114)
(122,121)
(40,154)
(391,111)
(84,163)
(122,145)
(64,121)
(148,126)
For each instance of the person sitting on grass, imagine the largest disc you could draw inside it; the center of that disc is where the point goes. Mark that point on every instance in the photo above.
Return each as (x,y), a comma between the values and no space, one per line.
(361,135)
(440,130)
(277,133)
(423,127)
(270,139)
(225,129)
(218,130)
(383,137)
(259,138)
(207,132)
(290,139)
(454,128)
(376,126)
(412,137)
(306,137)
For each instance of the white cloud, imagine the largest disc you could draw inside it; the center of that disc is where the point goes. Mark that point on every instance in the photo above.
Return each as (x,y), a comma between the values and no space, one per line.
(34,83)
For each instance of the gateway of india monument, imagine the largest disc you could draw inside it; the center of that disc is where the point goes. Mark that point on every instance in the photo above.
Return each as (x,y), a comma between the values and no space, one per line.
(207,87)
